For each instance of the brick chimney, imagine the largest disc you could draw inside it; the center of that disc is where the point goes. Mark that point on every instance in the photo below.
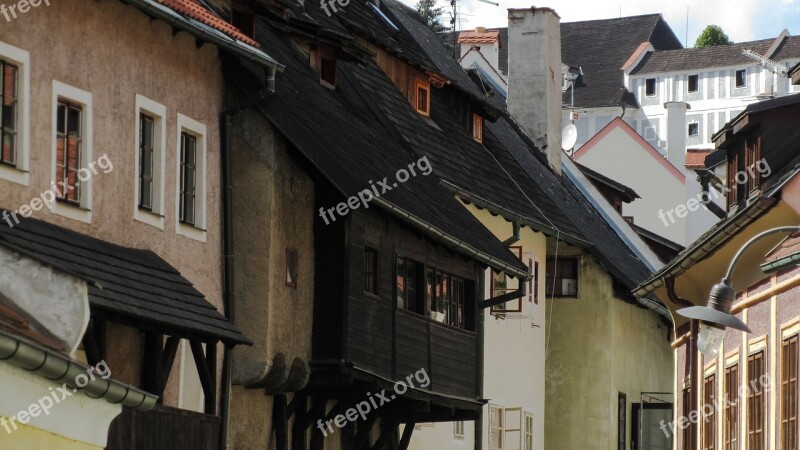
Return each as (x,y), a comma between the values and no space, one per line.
(534,77)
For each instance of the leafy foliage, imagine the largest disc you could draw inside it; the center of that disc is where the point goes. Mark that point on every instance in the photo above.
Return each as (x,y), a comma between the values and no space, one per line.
(711,36)
(430,13)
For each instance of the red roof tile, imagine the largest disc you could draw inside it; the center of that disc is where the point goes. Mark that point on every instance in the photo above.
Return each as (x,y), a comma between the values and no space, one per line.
(696,159)
(635,56)
(786,248)
(478,37)
(194,10)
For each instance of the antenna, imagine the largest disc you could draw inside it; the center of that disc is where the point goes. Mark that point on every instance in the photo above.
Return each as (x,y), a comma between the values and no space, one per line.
(774,67)
(686,39)
(455,21)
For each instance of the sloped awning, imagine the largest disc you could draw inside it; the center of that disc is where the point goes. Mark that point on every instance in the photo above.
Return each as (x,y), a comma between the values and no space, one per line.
(132,285)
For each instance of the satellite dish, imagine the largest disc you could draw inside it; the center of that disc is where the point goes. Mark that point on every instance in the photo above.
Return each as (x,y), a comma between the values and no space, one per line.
(569,137)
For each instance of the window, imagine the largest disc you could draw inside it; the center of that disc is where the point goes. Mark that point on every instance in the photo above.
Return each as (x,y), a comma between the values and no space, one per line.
(242,17)
(447,298)
(458,429)
(789,394)
(477,127)
(528,431)
(150,142)
(188,172)
(68,151)
(146,150)
(752,154)
(327,71)
(741,78)
(291,267)
(622,415)
(371,270)
(709,421)
(693,84)
(730,425)
(756,403)
(496,435)
(562,277)
(687,409)
(422,97)
(9,99)
(533,283)
(72,163)
(14,114)
(501,285)
(650,87)
(408,275)
(191,179)
(694,129)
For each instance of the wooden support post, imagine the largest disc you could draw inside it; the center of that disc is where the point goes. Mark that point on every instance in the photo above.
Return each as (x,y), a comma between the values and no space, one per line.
(406,438)
(388,431)
(318,413)
(170,349)
(90,345)
(205,375)
(280,422)
(211,363)
(152,369)
(364,429)
(299,407)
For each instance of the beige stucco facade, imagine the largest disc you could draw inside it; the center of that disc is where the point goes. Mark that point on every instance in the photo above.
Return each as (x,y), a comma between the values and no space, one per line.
(114,52)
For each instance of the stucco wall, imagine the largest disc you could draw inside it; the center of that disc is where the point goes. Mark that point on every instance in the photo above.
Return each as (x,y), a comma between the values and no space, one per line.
(115,52)
(599,346)
(273,202)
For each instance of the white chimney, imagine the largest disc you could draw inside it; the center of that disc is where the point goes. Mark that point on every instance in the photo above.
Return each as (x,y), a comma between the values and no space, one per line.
(676,133)
(534,77)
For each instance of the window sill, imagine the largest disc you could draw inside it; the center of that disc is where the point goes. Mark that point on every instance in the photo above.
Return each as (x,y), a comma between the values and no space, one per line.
(191,232)
(150,218)
(72,212)
(14,175)
(371,295)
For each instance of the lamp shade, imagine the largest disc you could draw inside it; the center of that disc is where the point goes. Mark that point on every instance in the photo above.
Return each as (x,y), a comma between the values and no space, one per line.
(718,310)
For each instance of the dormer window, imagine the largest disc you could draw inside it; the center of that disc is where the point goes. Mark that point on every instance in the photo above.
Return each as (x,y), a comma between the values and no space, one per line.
(325,63)
(243,18)
(477,128)
(422,97)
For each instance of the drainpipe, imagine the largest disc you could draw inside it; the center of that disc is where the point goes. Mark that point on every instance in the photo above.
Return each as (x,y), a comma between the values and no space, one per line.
(227,239)
(704,175)
(516,236)
(480,319)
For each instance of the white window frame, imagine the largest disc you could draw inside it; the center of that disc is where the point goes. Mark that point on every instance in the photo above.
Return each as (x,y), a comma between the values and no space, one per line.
(494,427)
(688,128)
(197,129)
(458,430)
(746,75)
(655,89)
(159,113)
(22,59)
(528,432)
(83,212)
(688,77)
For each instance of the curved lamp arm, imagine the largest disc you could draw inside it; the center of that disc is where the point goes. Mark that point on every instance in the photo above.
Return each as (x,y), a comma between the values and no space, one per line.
(727,279)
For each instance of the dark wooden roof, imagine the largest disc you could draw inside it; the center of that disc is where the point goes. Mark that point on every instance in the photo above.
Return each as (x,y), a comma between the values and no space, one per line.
(601,48)
(700,58)
(625,193)
(125,283)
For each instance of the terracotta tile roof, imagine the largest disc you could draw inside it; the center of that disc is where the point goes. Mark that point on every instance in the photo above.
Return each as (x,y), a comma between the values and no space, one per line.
(635,55)
(696,158)
(786,248)
(478,37)
(194,10)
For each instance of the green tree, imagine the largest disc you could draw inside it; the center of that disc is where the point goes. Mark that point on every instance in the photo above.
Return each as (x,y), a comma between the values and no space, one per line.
(711,36)
(430,13)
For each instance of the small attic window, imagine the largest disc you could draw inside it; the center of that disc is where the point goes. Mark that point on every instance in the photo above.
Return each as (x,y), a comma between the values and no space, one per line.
(477,127)
(422,97)
(243,18)
(327,71)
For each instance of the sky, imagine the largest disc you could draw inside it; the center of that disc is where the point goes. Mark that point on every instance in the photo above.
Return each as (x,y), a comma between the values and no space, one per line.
(742,20)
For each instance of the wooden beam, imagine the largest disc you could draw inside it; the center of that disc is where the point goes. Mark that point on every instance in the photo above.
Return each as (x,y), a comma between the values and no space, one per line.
(500,299)
(211,363)
(90,345)
(152,364)
(299,407)
(406,438)
(280,422)
(202,370)
(364,428)
(388,431)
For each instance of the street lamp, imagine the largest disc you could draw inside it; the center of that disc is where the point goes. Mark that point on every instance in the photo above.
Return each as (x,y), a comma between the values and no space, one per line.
(716,315)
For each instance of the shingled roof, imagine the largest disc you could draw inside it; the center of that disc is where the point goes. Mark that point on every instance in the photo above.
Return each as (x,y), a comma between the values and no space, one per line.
(601,48)
(700,58)
(136,285)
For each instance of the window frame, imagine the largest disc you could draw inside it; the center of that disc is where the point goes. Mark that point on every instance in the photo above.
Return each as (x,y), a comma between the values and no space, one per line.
(549,281)
(197,231)
(686,400)
(736,84)
(419,285)
(19,173)
(622,421)
(647,87)
(375,291)
(689,127)
(477,127)
(709,422)
(426,86)
(155,216)
(494,291)
(82,211)
(696,83)
(730,424)
(788,396)
(458,430)
(756,428)
(494,428)
(528,433)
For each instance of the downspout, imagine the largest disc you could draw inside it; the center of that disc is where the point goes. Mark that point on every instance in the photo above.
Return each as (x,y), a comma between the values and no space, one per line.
(226,117)
(514,237)
(691,355)
(704,175)
(481,348)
